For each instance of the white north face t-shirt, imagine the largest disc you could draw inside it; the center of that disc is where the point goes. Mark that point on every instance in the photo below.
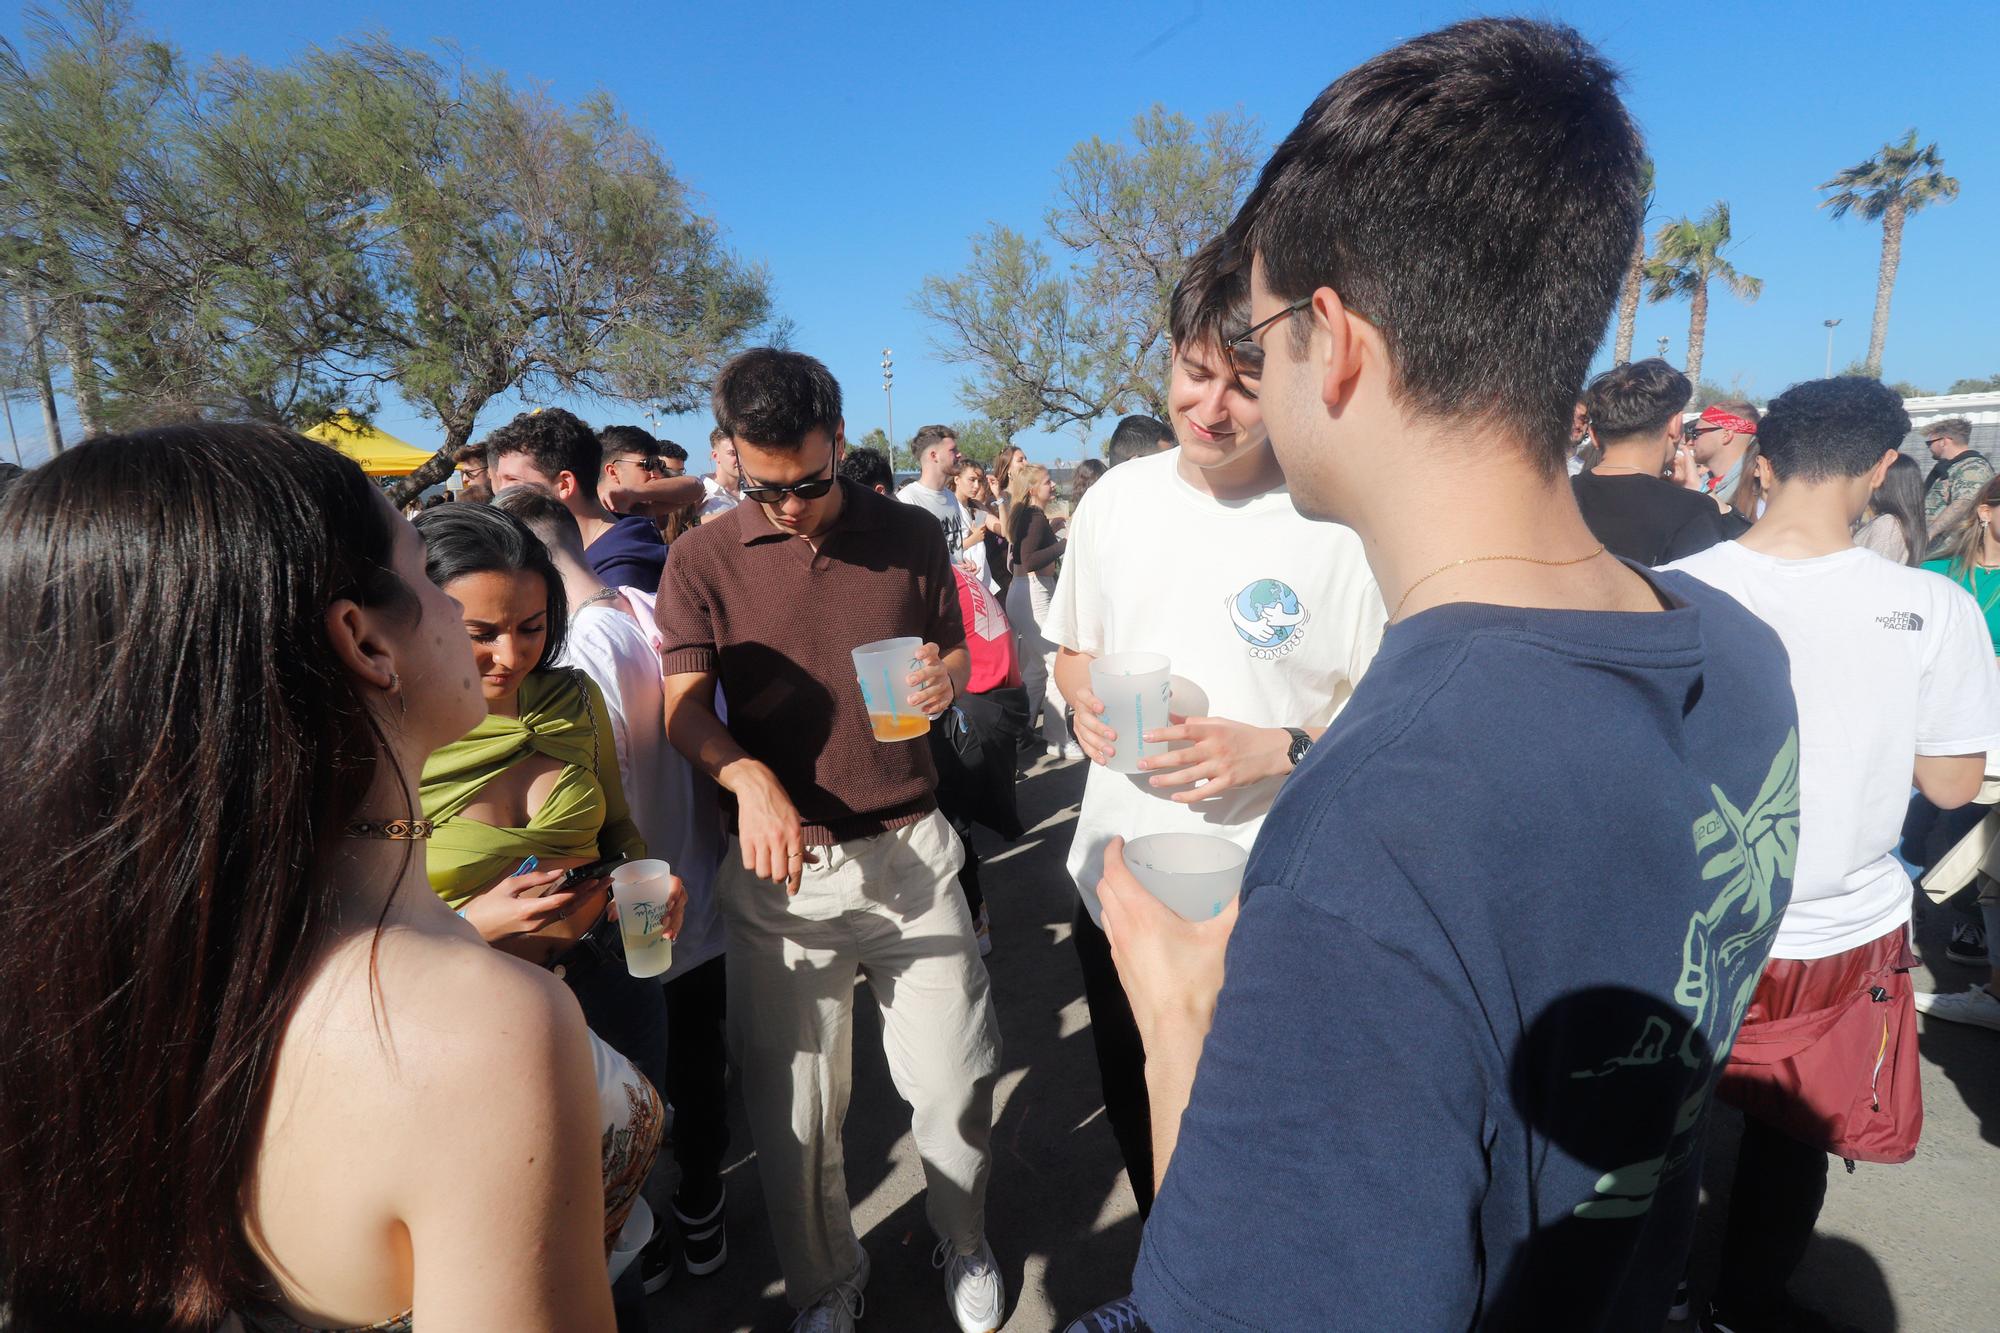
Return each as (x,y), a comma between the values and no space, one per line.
(1888,663)
(1273,616)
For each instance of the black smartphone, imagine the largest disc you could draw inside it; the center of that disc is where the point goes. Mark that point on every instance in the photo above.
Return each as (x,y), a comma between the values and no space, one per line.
(578,874)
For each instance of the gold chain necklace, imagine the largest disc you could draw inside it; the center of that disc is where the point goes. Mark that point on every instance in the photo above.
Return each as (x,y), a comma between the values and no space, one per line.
(1482,559)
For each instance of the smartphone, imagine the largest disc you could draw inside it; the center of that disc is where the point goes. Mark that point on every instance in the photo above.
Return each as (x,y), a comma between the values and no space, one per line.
(572,878)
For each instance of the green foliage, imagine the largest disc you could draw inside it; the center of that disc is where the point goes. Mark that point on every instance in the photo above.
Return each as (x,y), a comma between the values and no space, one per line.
(1860,370)
(1897,176)
(1708,392)
(981,440)
(878,439)
(276,242)
(1059,342)
(1687,256)
(1991,384)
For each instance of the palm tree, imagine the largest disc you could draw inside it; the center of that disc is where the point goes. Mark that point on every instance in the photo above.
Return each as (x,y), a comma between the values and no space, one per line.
(1687,256)
(1635,273)
(1898,180)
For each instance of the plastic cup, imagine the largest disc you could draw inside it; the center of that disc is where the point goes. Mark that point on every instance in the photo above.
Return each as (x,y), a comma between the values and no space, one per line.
(881,668)
(1196,874)
(1137,689)
(640,888)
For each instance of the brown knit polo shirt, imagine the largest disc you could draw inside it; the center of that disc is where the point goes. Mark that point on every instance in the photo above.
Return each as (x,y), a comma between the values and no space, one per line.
(775,622)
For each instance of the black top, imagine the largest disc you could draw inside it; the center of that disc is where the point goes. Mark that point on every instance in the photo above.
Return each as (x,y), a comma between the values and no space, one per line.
(1036,545)
(1648,519)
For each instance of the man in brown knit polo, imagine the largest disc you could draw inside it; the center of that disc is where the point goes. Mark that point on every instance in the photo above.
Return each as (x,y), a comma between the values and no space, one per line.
(840,863)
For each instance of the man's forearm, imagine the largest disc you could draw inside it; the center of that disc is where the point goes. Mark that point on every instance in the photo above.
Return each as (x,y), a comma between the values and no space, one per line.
(1170,1064)
(958,664)
(695,730)
(654,493)
(1072,674)
(1950,517)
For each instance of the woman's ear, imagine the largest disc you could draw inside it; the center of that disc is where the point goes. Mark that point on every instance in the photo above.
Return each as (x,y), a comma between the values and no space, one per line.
(357,643)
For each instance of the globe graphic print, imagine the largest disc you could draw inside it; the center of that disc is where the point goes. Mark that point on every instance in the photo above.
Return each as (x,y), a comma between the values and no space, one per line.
(1266,613)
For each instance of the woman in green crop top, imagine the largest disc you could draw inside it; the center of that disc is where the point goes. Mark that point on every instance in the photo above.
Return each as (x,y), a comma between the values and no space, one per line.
(1974,562)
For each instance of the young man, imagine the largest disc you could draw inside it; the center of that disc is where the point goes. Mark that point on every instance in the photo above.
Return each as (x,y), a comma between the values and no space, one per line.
(1197,553)
(636,479)
(840,863)
(722,491)
(1957,477)
(676,812)
(1635,414)
(1893,669)
(1135,437)
(938,459)
(471,462)
(1457,1075)
(552,449)
(1719,440)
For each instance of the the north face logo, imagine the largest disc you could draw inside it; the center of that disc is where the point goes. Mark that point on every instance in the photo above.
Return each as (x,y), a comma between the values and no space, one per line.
(1900,620)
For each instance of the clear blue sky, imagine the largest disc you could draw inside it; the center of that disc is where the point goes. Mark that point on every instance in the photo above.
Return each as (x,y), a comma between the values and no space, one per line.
(855,148)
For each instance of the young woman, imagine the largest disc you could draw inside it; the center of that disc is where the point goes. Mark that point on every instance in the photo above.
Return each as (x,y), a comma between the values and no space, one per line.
(1086,476)
(1974,562)
(228,1087)
(1035,549)
(1894,525)
(536,778)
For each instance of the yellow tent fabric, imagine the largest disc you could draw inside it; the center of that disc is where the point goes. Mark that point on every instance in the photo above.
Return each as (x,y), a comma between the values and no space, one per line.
(379,453)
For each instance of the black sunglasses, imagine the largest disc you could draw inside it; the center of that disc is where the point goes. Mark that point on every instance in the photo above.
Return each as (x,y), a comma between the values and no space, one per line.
(1246,354)
(770,493)
(1696,432)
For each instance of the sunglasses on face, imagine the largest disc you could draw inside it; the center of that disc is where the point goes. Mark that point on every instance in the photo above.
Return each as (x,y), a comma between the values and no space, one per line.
(648,465)
(1696,432)
(770,493)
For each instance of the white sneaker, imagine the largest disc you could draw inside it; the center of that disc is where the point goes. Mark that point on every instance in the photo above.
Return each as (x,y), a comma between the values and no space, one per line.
(836,1311)
(972,1287)
(982,931)
(1072,752)
(1978,1006)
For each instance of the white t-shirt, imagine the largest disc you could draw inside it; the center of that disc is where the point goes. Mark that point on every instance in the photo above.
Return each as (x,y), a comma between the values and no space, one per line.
(674,807)
(949,512)
(1888,663)
(715,500)
(1272,616)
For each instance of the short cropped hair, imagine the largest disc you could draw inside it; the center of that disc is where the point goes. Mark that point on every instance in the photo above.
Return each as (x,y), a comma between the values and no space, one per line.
(668,449)
(554,441)
(1135,437)
(1824,430)
(627,439)
(1635,399)
(717,436)
(775,398)
(868,468)
(1736,407)
(545,516)
(1211,302)
(928,437)
(1474,193)
(1956,428)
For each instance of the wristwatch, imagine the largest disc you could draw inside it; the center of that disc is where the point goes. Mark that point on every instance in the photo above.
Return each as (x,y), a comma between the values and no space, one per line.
(1300,744)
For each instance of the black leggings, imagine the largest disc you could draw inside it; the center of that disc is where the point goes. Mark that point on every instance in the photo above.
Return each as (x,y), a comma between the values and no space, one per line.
(1121,1056)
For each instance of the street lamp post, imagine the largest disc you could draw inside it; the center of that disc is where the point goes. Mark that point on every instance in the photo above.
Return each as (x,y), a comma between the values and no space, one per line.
(1663,348)
(1829,345)
(889,398)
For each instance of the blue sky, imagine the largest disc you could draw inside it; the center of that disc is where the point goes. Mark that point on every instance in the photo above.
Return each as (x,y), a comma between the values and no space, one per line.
(854,149)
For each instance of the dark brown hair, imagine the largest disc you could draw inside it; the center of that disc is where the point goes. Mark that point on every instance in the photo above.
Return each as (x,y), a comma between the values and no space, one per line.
(1211,302)
(178,742)
(774,398)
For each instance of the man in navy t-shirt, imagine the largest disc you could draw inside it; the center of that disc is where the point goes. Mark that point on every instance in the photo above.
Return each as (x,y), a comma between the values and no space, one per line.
(1499,929)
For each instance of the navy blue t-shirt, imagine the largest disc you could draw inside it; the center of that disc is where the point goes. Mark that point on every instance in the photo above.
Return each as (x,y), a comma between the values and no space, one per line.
(1497,936)
(628,554)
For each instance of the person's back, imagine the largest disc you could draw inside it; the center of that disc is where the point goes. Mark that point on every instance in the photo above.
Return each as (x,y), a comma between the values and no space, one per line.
(1634,413)
(1555,991)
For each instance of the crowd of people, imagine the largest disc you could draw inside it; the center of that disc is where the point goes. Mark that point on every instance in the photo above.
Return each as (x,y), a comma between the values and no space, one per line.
(1584,748)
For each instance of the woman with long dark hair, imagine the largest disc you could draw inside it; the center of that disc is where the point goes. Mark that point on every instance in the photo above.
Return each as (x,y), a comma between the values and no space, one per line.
(242,1045)
(1893,527)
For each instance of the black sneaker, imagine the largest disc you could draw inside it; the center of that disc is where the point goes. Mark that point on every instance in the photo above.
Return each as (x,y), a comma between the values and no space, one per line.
(1120,1316)
(1968,943)
(656,1259)
(705,1239)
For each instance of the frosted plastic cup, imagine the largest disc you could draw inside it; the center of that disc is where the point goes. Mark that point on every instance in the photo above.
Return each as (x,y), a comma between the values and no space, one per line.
(1137,689)
(883,668)
(1196,874)
(640,888)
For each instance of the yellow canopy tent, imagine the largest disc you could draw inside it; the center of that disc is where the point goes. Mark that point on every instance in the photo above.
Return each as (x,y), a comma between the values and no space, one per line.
(379,453)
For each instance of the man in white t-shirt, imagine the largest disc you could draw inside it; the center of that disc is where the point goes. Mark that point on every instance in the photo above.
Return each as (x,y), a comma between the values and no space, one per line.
(677,814)
(936,448)
(723,491)
(1198,554)
(1894,673)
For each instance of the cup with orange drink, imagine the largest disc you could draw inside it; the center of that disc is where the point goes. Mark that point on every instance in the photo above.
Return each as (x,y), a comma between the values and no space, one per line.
(883,669)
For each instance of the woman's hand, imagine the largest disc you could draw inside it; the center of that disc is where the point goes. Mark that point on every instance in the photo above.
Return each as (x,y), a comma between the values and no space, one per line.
(520,905)
(1224,754)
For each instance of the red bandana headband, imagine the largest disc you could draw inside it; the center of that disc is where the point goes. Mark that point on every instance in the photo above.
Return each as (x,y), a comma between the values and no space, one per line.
(1715,416)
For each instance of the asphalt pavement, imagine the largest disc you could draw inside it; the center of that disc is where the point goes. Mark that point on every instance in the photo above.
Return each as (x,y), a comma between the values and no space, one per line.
(1912,1248)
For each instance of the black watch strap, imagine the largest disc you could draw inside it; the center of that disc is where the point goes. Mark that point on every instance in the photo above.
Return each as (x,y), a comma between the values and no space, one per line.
(1301,743)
